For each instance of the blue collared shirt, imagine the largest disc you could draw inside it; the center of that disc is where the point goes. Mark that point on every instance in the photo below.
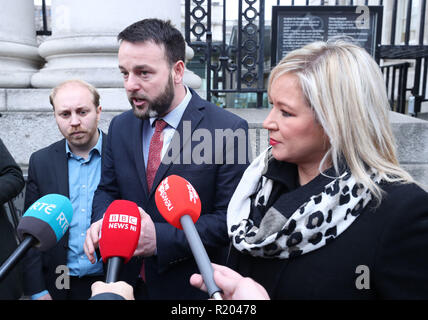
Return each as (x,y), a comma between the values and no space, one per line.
(173,118)
(83,178)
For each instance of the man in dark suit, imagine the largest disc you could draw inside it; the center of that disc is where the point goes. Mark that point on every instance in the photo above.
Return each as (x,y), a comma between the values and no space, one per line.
(71,167)
(11,184)
(199,141)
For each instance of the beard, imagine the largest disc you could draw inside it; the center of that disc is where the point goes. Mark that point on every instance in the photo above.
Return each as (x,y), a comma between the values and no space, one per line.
(156,107)
(81,138)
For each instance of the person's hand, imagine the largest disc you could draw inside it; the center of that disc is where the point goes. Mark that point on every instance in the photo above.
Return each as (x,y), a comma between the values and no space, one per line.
(147,242)
(47,296)
(92,240)
(121,288)
(234,286)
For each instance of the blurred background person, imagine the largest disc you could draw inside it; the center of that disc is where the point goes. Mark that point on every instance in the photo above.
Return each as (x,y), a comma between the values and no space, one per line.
(11,184)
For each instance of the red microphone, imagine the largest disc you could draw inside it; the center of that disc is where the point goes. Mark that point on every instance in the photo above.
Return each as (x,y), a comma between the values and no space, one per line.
(120,232)
(179,204)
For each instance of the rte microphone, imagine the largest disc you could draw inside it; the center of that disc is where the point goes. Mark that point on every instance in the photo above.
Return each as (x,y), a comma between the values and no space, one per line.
(179,204)
(120,232)
(42,226)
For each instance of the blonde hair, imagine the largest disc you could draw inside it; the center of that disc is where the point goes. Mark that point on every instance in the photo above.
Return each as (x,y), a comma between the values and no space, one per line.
(91,89)
(345,88)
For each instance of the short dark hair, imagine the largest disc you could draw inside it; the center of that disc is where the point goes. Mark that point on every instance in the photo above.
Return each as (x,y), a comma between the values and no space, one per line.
(160,32)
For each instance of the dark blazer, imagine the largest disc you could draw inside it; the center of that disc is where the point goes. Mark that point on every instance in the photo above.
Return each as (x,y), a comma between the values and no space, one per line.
(11,184)
(123,177)
(47,173)
(383,254)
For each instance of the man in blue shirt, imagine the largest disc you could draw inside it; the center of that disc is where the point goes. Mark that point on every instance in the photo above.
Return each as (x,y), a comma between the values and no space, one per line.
(72,167)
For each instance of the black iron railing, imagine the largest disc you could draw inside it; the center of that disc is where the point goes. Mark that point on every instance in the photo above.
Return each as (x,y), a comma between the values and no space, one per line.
(396,80)
(240,64)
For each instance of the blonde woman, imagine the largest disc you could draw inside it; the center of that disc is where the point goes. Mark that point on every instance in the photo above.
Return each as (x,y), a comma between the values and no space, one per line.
(327,212)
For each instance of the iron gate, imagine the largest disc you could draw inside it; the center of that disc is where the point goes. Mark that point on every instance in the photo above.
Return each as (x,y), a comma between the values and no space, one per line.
(239,64)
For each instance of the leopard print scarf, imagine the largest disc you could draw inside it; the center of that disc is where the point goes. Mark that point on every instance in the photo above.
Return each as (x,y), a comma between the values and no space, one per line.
(321,218)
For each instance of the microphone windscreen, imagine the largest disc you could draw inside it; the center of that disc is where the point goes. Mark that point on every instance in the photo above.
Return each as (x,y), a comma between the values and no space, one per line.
(47,220)
(120,230)
(176,197)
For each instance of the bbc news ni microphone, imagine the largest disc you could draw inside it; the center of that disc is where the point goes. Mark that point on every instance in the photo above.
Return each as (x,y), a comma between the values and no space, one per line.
(120,232)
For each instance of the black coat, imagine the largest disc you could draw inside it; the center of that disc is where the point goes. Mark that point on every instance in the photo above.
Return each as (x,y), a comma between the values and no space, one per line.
(11,184)
(47,173)
(383,254)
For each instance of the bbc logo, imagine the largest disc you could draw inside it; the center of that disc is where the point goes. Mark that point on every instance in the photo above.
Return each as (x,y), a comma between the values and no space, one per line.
(123,218)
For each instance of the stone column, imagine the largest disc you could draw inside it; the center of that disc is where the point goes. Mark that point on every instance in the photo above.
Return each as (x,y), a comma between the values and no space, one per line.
(83,43)
(19,58)
(190,78)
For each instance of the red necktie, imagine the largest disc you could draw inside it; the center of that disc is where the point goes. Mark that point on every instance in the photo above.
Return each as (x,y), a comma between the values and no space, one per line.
(153,163)
(155,151)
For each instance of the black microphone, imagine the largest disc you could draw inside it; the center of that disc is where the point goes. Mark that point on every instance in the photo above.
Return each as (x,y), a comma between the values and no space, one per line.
(42,226)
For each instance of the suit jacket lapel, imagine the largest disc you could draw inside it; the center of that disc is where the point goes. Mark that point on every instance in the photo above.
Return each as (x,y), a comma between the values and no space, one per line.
(137,145)
(60,165)
(192,116)
(104,143)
